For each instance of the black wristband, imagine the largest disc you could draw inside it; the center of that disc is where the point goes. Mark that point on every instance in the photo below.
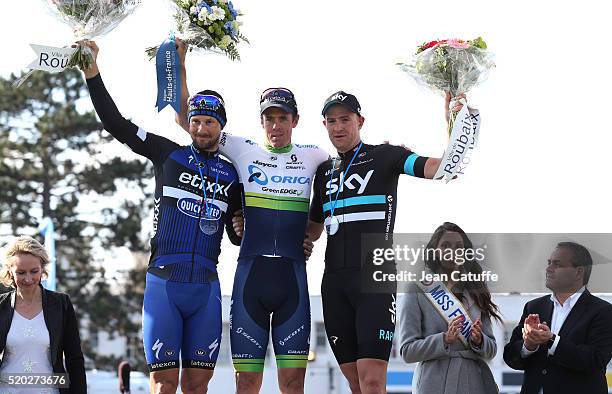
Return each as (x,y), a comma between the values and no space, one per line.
(551,341)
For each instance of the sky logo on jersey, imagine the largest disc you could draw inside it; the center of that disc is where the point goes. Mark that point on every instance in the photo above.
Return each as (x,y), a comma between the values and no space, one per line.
(352,182)
(191,207)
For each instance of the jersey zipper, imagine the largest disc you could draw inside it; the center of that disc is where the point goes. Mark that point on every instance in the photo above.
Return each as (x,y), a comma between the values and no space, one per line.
(202,207)
(276,220)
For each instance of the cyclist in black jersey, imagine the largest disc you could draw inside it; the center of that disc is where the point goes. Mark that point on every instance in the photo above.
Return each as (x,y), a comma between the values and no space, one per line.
(355,194)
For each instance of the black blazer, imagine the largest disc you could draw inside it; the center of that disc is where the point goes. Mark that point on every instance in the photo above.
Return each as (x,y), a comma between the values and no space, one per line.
(582,354)
(63,335)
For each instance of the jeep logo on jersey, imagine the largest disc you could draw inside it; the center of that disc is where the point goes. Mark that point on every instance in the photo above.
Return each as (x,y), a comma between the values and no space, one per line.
(211,187)
(351,182)
(257,175)
(191,207)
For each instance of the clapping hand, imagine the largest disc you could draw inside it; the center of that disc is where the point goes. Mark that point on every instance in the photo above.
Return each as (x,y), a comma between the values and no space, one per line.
(476,333)
(454,328)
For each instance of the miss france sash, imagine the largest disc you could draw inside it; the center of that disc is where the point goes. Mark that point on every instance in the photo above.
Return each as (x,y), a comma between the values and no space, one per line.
(448,306)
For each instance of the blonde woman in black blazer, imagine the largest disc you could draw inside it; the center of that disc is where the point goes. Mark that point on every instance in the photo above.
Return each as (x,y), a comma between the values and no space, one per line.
(22,270)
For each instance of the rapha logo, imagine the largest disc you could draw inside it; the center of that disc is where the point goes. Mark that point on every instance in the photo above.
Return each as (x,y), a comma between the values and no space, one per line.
(351,183)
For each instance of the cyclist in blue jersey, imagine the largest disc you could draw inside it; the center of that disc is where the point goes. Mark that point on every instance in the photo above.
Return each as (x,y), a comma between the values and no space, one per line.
(196,193)
(277,180)
(356,194)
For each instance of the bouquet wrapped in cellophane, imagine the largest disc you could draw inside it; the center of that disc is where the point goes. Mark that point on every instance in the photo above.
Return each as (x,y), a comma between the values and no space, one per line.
(90,19)
(210,25)
(454,66)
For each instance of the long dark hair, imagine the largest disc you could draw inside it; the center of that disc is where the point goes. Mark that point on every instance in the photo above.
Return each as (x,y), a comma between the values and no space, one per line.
(477,289)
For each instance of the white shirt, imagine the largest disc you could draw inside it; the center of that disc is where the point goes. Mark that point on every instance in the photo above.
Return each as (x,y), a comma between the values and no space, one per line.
(26,352)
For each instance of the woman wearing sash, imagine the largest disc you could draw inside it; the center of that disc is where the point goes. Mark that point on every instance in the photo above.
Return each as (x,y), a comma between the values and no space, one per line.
(445,325)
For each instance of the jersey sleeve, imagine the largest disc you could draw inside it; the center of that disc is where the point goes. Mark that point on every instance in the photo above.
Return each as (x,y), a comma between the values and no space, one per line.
(233,146)
(316,205)
(151,146)
(234,204)
(404,161)
(320,156)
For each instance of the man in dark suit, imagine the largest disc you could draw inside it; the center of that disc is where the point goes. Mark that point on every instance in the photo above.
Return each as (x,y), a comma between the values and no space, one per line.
(563,341)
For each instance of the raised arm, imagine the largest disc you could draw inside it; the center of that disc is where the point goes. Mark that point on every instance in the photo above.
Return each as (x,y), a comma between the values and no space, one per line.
(181,118)
(431,164)
(152,146)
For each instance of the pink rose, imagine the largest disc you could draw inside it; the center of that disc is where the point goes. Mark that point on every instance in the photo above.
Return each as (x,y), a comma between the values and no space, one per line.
(456,43)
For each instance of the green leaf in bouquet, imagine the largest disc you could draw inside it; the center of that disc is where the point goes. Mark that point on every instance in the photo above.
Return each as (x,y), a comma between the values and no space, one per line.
(478,43)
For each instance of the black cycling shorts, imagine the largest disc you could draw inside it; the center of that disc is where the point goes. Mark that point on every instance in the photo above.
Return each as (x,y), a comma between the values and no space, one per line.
(358,324)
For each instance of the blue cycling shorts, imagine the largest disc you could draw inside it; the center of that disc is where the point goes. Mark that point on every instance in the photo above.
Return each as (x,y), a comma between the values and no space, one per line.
(181,320)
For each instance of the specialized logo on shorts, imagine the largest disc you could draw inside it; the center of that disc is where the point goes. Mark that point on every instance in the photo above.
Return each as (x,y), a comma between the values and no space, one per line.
(385,335)
(191,207)
(333,339)
(352,182)
(157,347)
(213,346)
